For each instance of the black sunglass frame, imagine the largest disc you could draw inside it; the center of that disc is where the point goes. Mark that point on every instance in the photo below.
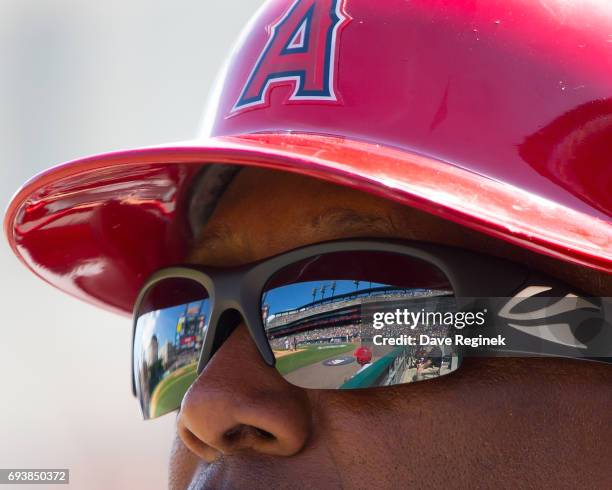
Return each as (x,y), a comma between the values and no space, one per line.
(239,289)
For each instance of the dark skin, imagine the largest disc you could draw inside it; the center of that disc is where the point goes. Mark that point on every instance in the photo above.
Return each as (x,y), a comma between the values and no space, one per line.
(503,422)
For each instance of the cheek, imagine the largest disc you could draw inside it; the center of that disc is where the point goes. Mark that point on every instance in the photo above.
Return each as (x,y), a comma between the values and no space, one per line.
(398,434)
(540,421)
(490,412)
(183,465)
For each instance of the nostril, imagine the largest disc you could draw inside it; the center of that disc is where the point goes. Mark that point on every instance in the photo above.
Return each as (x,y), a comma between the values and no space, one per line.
(234,435)
(197,446)
(241,433)
(264,434)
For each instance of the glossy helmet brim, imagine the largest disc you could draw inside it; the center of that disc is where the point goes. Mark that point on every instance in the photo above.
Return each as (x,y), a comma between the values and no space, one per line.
(97,227)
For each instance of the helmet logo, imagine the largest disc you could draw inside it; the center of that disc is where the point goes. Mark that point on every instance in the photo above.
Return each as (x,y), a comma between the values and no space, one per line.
(300,52)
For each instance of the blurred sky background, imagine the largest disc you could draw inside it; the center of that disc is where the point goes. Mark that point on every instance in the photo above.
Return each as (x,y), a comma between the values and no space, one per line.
(80,77)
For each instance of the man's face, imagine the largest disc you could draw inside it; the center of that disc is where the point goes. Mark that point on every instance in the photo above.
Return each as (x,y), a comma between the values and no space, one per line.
(540,422)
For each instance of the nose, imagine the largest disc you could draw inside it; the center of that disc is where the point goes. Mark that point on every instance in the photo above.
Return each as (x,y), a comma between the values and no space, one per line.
(238,403)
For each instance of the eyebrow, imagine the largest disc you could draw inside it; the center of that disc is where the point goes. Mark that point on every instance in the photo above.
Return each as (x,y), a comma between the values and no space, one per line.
(215,235)
(351,220)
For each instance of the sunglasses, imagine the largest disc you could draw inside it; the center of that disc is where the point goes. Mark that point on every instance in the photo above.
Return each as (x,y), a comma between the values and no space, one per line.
(316,315)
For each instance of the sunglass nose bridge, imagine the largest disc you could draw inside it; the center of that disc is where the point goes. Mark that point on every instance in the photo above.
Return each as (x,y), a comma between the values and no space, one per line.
(226,316)
(227,322)
(223,321)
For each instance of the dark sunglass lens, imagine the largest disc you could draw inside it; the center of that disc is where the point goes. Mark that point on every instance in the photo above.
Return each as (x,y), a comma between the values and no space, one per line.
(170,327)
(318,318)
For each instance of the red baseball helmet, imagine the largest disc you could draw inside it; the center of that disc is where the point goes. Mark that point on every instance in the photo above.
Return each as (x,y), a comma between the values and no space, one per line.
(363,355)
(494,114)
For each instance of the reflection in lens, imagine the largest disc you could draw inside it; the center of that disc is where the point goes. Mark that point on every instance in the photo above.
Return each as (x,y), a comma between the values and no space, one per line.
(318,317)
(167,343)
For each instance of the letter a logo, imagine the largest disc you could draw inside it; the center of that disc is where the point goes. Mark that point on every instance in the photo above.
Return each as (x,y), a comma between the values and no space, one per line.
(301,52)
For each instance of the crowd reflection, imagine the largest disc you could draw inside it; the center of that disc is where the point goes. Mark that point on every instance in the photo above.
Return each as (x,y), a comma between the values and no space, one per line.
(328,343)
(166,349)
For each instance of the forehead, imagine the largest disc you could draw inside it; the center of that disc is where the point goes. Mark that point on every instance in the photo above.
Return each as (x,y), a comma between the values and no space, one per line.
(270,197)
(264,212)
